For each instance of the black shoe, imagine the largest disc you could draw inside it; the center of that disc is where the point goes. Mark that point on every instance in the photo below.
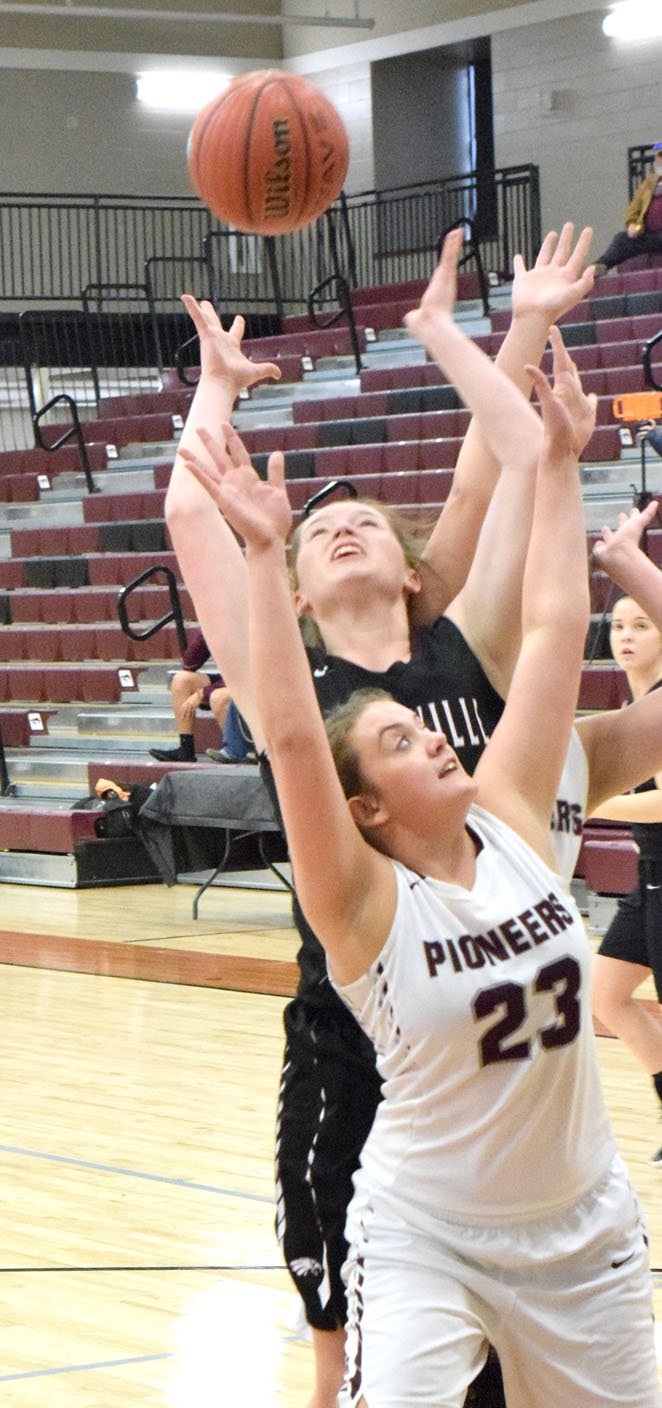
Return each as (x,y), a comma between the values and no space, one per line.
(171,755)
(657,1159)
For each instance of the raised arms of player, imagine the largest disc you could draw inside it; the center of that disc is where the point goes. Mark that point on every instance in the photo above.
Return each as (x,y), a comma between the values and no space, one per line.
(210,559)
(519,771)
(620,554)
(540,296)
(349,901)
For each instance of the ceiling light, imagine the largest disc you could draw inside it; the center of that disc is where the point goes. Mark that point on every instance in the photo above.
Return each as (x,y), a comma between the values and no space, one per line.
(634,19)
(180,90)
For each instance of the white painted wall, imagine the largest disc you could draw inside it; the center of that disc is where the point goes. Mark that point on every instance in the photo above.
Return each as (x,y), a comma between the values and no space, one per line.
(565,98)
(573,101)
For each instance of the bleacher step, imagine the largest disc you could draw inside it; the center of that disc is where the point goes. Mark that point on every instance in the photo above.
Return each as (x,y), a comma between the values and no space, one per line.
(36,868)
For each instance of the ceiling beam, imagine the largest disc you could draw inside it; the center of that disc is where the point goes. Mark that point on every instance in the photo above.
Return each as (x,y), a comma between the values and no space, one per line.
(115,12)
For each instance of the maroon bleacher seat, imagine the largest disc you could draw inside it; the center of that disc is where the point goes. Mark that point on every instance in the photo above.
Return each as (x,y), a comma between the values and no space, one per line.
(621,379)
(365,459)
(602,687)
(438,454)
(400,455)
(11,573)
(604,444)
(27,682)
(609,866)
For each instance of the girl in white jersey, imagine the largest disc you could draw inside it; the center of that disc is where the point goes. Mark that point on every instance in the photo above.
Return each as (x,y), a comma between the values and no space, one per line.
(491,1203)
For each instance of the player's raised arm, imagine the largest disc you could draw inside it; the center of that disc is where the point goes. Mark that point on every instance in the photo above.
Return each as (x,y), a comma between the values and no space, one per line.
(619,553)
(210,559)
(519,772)
(541,295)
(350,901)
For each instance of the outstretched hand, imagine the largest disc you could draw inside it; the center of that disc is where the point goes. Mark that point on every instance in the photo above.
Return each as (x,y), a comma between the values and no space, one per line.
(220,351)
(568,413)
(259,510)
(558,279)
(439,298)
(616,545)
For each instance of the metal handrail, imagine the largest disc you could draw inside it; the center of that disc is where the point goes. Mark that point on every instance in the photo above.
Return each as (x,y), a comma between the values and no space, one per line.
(646,361)
(339,286)
(6,787)
(175,613)
(75,432)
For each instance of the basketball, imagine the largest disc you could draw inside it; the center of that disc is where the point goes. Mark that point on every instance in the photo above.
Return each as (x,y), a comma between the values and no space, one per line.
(269,154)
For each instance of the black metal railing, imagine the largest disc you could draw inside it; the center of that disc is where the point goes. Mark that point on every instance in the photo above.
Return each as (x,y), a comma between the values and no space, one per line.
(648,351)
(72,431)
(174,614)
(53,246)
(125,261)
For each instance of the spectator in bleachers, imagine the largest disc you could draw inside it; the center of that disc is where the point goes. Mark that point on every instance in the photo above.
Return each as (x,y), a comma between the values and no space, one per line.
(643,222)
(632,946)
(193,689)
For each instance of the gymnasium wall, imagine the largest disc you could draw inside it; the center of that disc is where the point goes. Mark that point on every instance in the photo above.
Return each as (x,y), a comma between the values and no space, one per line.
(565,97)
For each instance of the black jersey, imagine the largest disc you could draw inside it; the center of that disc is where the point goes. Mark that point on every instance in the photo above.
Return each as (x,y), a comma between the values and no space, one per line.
(648,835)
(447,686)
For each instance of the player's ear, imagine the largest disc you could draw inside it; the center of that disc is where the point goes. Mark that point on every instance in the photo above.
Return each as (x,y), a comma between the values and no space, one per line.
(367,811)
(302,605)
(412,582)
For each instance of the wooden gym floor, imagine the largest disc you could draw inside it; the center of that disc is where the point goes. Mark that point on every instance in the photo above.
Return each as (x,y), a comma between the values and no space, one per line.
(139,1059)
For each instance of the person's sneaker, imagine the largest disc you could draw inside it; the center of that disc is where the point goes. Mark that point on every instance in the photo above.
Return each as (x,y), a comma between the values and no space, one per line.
(657,1159)
(221,755)
(171,755)
(600,269)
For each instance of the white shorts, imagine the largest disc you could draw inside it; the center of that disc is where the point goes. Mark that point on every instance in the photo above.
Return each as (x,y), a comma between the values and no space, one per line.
(566,1301)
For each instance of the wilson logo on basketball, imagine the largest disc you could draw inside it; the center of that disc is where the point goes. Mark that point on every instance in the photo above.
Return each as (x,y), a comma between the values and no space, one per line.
(278,178)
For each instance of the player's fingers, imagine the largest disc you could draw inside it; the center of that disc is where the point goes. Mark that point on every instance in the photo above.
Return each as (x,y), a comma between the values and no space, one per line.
(199,470)
(564,245)
(195,311)
(238,327)
(264,369)
(234,444)
(276,469)
(546,249)
(579,255)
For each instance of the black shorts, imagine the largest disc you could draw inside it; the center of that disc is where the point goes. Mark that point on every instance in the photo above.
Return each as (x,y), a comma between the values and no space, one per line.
(635,932)
(329,1093)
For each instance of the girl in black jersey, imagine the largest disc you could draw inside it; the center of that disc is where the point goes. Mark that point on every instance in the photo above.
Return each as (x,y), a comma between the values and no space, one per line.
(632,946)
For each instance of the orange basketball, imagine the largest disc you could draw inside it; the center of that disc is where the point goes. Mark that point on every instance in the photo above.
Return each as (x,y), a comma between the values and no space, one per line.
(269,154)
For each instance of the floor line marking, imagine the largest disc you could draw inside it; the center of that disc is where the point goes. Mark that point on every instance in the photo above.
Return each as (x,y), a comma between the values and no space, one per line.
(136,1173)
(83,1368)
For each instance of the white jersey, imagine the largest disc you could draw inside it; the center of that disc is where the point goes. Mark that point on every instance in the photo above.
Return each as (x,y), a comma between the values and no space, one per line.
(570,808)
(479,1008)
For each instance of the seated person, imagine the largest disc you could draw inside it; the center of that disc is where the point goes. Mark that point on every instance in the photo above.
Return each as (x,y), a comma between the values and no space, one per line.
(238,745)
(192,689)
(643,222)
